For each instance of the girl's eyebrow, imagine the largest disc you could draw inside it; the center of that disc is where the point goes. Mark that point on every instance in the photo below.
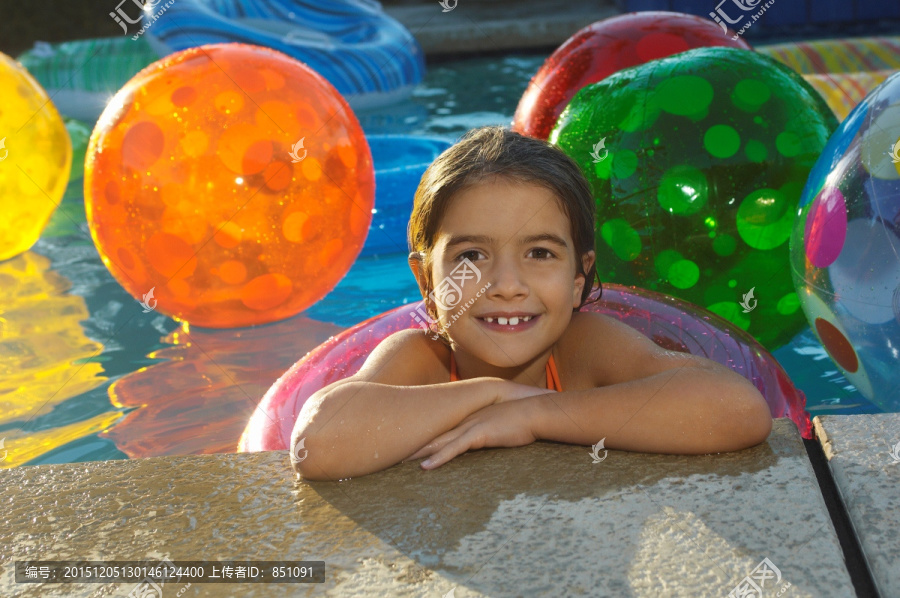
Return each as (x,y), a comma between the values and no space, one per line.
(455,240)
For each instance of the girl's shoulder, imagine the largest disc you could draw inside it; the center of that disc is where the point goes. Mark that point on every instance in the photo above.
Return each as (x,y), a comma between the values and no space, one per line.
(594,348)
(407,358)
(576,363)
(609,351)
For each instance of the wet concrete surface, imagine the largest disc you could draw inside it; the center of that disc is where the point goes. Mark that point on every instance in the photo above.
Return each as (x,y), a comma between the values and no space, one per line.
(863,453)
(540,520)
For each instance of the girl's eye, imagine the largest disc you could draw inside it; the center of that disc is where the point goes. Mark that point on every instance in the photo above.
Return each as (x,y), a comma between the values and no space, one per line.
(542,254)
(470,253)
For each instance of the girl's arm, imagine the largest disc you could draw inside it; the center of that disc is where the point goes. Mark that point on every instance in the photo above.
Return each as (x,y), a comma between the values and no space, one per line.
(686,410)
(686,420)
(362,427)
(389,409)
(651,400)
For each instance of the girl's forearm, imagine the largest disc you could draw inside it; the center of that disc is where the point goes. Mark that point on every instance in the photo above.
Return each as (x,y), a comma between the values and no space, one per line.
(690,410)
(362,427)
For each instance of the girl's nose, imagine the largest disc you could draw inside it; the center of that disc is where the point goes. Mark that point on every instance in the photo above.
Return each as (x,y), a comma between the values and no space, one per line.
(506,279)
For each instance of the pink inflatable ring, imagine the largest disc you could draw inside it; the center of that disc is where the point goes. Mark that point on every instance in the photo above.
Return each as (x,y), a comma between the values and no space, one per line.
(671,323)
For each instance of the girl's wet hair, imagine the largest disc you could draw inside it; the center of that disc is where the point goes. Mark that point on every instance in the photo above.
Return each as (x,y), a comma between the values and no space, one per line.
(497,152)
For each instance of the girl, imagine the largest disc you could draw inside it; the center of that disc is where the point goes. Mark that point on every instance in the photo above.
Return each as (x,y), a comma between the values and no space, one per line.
(503,226)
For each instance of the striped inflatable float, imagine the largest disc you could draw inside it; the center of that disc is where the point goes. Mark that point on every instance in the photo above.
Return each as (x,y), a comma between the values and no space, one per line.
(838,55)
(843,71)
(843,91)
(370,58)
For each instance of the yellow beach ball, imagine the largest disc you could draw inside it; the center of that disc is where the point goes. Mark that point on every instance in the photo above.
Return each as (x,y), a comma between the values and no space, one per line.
(35,158)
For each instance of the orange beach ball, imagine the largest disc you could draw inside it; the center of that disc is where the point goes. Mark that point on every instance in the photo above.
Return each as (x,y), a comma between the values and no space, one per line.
(228,185)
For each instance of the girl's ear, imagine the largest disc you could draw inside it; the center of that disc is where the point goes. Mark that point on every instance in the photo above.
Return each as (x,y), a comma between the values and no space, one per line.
(417,265)
(587,262)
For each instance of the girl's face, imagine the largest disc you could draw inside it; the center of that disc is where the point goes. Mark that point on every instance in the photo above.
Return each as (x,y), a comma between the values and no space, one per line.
(517,237)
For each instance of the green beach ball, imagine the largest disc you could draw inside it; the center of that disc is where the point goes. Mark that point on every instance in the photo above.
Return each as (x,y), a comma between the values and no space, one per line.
(697,162)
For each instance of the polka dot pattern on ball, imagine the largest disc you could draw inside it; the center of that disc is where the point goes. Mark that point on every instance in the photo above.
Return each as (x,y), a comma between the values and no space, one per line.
(826,227)
(724,141)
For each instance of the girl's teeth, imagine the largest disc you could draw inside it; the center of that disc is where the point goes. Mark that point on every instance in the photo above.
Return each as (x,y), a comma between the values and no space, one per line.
(509,321)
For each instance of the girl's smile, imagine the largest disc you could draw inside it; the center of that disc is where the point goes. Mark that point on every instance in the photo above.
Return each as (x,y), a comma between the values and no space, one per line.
(511,323)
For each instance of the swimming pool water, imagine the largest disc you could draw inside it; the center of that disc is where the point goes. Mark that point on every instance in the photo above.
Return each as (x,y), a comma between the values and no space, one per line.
(116,382)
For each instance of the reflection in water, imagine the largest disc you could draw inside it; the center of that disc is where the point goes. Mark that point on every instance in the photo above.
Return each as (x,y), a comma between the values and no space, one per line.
(827,391)
(45,358)
(198,401)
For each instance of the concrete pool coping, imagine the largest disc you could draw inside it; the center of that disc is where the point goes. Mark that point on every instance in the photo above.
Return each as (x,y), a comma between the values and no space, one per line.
(543,519)
(863,453)
(495,25)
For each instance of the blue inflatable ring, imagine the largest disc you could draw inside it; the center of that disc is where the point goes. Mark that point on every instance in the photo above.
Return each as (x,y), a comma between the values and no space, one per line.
(370,58)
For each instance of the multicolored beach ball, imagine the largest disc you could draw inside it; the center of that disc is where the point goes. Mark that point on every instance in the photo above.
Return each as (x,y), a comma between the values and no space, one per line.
(845,246)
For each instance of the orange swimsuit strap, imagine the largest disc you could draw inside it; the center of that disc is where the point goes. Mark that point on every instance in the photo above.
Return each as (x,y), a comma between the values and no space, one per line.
(553,382)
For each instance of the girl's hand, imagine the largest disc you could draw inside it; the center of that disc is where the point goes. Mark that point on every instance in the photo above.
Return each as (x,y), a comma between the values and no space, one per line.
(512,391)
(506,424)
